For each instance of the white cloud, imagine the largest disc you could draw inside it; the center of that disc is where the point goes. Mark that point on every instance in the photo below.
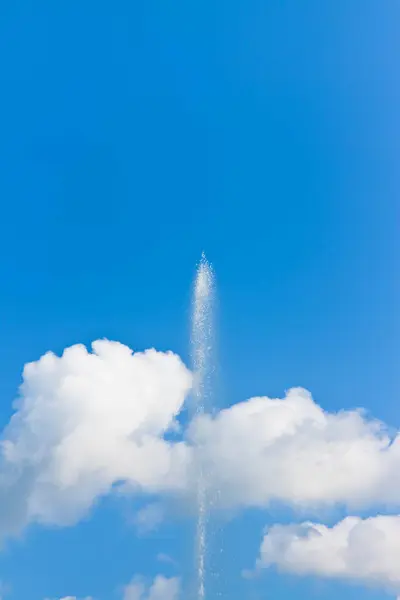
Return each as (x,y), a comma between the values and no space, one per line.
(364,550)
(85,421)
(75,598)
(291,450)
(162,588)
(166,558)
(149,518)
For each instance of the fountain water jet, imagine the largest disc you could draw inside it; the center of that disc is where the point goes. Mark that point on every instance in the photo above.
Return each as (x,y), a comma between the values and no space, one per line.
(202,366)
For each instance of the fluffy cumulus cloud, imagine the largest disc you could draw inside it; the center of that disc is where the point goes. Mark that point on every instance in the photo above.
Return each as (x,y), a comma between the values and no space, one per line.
(363,550)
(86,421)
(162,588)
(75,598)
(89,420)
(292,451)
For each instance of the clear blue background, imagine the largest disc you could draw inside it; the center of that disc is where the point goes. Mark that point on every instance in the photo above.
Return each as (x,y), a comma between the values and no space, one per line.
(135,134)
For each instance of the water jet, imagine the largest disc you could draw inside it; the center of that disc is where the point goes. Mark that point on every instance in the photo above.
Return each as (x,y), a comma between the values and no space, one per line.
(202,367)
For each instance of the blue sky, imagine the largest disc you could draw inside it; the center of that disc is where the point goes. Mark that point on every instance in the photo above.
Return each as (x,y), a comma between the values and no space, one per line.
(134,135)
